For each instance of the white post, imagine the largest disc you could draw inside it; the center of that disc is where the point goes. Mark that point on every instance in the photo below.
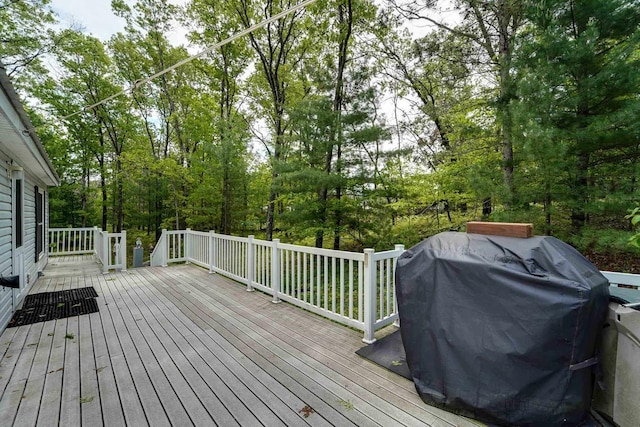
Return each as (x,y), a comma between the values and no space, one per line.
(106,252)
(399,248)
(250,263)
(275,271)
(369,296)
(165,248)
(123,250)
(95,240)
(116,251)
(216,248)
(187,248)
(211,251)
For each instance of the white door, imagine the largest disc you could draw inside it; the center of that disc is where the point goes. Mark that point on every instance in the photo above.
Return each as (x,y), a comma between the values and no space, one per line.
(17,214)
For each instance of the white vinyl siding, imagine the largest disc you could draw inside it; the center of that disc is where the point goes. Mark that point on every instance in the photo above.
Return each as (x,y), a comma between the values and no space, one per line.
(31,267)
(6,294)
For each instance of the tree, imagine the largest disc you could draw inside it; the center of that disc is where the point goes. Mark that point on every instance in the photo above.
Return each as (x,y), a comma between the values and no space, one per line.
(493,26)
(22,48)
(280,47)
(144,50)
(578,90)
(227,151)
(86,78)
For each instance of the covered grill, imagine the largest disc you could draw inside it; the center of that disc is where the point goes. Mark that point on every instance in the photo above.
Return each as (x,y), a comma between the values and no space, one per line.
(501,329)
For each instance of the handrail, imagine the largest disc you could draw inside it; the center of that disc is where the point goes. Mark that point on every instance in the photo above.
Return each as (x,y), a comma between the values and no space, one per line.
(355,289)
(108,248)
(71,241)
(158,256)
(626,279)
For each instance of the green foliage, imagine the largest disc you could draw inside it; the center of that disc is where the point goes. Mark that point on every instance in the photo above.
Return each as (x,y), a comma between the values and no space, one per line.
(27,37)
(604,241)
(578,104)
(634,218)
(290,132)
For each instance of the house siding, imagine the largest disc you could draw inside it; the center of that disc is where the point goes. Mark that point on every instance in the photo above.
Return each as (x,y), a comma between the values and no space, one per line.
(31,267)
(23,154)
(6,294)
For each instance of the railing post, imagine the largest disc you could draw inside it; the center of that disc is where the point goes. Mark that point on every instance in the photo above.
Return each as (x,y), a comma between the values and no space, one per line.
(106,252)
(95,240)
(369,296)
(187,248)
(399,248)
(211,251)
(250,263)
(165,248)
(275,271)
(123,250)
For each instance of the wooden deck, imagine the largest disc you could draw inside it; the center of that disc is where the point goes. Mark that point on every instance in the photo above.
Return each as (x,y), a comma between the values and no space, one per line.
(177,346)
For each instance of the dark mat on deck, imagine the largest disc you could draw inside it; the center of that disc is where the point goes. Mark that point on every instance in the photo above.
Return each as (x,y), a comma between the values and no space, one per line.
(388,352)
(68,295)
(59,310)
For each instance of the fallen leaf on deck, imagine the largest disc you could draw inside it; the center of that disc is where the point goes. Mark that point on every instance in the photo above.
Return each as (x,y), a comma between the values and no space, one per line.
(306,411)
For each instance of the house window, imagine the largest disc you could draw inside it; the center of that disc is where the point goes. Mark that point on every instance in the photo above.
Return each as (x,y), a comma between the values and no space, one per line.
(39,222)
(18,213)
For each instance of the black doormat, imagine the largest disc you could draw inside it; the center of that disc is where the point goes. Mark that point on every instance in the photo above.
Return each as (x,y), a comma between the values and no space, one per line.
(58,310)
(388,352)
(69,295)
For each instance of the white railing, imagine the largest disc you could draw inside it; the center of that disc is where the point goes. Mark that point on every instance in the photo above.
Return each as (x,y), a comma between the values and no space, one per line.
(355,289)
(108,248)
(625,279)
(71,241)
(112,252)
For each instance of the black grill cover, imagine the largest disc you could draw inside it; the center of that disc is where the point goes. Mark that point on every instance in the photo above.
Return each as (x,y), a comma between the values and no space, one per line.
(501,329)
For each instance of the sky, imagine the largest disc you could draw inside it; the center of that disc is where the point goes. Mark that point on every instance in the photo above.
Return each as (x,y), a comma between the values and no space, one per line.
(96,18)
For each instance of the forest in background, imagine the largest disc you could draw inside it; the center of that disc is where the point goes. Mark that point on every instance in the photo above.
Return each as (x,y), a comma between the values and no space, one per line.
(348,124)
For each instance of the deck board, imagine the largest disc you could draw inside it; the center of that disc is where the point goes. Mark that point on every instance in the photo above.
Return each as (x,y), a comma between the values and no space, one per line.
(318,369)
(220,363)
(17,382)
(137,367)
(340,357)
(317,395)
(70,406)
(178,346)
(27,413)
(52,391)
(210,383)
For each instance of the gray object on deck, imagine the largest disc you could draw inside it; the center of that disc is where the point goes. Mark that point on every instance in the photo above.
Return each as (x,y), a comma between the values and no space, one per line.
(502,329)
(138,255)
(620,349)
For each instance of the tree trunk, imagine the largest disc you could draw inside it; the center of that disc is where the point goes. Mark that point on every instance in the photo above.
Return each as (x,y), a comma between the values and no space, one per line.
(120,196)
(274,177)
(547,207)
(486,207)
(225,214)
(338,210)
(581,190)
(83,195)
(103,188)
(506,95)
(345,20)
